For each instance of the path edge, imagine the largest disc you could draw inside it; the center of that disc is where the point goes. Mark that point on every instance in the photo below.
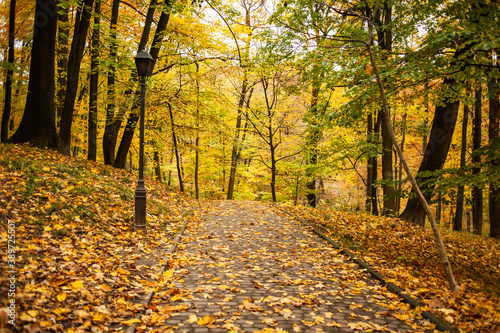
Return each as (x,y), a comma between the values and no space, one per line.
(149,297)
(441,324)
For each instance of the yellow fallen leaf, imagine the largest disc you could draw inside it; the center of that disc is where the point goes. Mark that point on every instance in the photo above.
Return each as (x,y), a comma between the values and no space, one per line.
(76,285)
(270,321)
(61,297)
(61,311)
(130,322)
(333,324)
(206,320)
(192,319)
(105,287)
(99,316)
(33,313)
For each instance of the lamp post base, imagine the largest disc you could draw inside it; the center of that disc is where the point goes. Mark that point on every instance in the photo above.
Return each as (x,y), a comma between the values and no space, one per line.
(140,206)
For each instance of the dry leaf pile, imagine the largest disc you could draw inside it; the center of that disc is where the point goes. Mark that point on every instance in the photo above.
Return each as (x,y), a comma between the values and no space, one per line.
(79,263)
(407,256)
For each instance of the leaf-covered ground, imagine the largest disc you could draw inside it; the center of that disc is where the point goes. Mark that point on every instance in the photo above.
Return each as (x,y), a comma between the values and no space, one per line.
(407,256)
(78,261)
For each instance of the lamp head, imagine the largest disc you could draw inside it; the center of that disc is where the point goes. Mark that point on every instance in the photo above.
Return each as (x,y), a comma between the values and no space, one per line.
(144,63)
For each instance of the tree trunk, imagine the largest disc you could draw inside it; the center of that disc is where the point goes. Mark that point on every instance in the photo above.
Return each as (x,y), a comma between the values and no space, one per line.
(387,174)
(439,207)
(94,84)
(457,223)
(38,123)
(369,172)
(236,140)
(157,160)
(477,191)
(74,61)
(197,139)
(439,241)
(400,167)
(312,140)
(62,56)
(128,133)
(493,135)
(436,151)
(10,74)
(374,167)
(384,37)
(112,125)
(176,148)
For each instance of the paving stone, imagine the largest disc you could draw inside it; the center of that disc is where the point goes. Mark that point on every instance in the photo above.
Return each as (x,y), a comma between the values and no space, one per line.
(274,265)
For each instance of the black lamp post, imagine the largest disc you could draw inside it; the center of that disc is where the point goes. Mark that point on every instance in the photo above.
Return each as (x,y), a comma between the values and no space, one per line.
(144,63)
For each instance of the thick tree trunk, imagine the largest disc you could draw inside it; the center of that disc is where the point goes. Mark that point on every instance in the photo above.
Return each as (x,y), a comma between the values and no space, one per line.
(10,74)
(38,123)
(94,84)
(74,62)
(477,191)
(457,223)
(439,241)
(436,151)
(493,135)
(112,125)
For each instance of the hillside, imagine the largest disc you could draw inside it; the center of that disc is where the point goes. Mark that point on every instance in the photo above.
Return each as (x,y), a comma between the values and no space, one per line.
(76,248)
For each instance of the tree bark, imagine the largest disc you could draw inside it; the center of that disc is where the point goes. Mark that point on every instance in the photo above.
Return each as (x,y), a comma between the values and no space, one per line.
(384,37)
(493,135)
(400,167)
(74,61)
(236,139)
(436,151)
(477,191)
(132,121)
(369,178)
(112,125)
(38,123)
(457,223)
(62,56)
(374,164)
(312,140)
(197,139)
(157,160)
(94,84)
(10,74)
(176,149)
(439,241)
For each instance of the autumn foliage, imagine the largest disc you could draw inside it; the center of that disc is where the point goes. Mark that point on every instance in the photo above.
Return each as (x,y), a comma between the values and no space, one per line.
(79,262)
(406,255)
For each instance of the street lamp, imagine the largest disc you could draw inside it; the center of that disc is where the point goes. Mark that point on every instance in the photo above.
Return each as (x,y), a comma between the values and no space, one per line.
(144,63)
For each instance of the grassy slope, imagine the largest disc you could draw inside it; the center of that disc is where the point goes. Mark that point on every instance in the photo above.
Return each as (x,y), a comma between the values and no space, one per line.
(407,255)
(76,247)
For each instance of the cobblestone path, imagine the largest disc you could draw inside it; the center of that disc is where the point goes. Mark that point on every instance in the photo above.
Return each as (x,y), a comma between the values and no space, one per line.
(247,268)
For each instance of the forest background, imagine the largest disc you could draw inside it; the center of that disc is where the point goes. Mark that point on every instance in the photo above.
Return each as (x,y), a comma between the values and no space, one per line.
(272,100)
